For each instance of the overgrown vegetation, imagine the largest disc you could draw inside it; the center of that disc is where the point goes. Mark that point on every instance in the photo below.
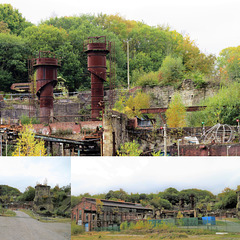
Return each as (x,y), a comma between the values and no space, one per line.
(170,197)
(161,55)
(221,108)
(76,229)
(25,120)
(131,105)
(176,112)
(27,145)
(61,197)
(158,56)
(130,149)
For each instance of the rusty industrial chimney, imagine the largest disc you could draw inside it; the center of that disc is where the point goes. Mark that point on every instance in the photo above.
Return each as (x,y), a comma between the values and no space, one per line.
(46,77)
(97,50)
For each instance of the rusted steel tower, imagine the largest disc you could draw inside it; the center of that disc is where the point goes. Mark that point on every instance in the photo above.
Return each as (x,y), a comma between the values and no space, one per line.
(97,49)
(46,77)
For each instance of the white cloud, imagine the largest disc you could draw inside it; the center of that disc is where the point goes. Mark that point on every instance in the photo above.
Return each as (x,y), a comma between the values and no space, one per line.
(99,175)
(27,171)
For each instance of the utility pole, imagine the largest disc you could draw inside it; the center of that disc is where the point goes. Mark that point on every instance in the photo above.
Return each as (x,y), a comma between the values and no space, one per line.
(1,145)
(178,146)
(6,147)
(165,139)
(128,77)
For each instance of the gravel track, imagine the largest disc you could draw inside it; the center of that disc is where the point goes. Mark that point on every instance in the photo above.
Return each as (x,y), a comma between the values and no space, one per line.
(23,227)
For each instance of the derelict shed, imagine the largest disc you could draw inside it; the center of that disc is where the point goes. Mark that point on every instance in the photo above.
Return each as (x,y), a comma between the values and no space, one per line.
(94,213)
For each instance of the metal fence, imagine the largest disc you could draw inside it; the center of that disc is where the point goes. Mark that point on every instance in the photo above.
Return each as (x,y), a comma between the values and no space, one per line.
(223,225)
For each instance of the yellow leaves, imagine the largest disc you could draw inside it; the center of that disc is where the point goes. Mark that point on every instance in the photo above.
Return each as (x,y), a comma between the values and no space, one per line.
(132,106)
(27,145)
(176,113)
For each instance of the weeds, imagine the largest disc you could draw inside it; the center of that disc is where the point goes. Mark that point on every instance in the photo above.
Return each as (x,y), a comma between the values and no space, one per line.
(76,229)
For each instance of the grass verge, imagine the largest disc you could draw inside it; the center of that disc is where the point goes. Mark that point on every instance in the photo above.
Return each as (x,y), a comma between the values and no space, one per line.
(8,213)
(46,219)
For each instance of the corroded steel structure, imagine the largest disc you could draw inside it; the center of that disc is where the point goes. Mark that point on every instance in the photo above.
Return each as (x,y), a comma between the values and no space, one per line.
(46,77)
(97,49)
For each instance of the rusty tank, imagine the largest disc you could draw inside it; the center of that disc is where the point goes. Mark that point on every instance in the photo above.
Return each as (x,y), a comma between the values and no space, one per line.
(46,66)
(97,49)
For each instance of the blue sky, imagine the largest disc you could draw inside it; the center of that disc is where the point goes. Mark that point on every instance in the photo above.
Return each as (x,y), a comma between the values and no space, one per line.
(213,24)
(27,171)
(151,175)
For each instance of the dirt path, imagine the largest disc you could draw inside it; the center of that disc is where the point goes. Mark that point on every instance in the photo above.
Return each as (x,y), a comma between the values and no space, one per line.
(23,227)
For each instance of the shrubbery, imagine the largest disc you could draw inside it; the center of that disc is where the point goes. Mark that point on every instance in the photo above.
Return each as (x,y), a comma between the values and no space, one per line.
(76,229)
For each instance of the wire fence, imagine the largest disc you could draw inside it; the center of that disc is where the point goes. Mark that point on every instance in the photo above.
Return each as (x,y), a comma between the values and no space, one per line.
(22,96)
(208,223)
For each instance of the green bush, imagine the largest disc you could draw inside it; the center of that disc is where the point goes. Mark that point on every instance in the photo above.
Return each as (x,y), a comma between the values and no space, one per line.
(171,71)
(130,149)
(27,120)
(197,78)
(124,225)
(148,79)
(76,229)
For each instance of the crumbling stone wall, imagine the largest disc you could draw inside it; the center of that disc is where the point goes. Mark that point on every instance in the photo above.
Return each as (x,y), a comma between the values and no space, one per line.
(161,96)
(43,199)
(115,132)
(190,95)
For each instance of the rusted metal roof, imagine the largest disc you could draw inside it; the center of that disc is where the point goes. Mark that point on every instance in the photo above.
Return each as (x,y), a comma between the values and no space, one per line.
(120,204)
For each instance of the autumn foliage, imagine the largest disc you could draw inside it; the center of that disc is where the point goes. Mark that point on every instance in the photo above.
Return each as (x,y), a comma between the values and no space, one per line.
(27,145)
(176,113)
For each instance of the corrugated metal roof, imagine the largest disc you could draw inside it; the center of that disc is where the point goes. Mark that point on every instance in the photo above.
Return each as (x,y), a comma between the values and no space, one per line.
(111,203)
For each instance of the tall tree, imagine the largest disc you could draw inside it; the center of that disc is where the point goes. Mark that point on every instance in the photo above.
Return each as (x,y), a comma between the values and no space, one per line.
(14,20)
(176,112)
(14,52)
(224,106)
(171,71)
(229,64)
(131,106)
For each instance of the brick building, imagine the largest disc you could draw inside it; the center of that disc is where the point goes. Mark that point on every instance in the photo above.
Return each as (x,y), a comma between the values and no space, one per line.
(94,213)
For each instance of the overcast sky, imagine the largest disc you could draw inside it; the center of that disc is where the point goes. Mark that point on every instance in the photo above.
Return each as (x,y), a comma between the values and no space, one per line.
(151,175)
(27,171)
(213,24)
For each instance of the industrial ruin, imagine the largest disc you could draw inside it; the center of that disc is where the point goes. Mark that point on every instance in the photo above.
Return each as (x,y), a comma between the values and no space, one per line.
(94,213)
(101,214)
(88,126)
(43,199)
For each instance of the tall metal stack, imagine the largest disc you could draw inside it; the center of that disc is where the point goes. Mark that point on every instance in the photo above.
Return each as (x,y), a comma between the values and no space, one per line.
(97,50)
(46,77)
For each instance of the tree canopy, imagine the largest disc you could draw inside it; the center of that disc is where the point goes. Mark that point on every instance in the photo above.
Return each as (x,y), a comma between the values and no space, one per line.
(150,48)
(170,197)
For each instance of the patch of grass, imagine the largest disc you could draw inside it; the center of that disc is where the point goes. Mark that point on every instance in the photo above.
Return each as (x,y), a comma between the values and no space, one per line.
(76,229)
(63,132)
(27,120)
(150,236)
(46,219)
(8,213)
